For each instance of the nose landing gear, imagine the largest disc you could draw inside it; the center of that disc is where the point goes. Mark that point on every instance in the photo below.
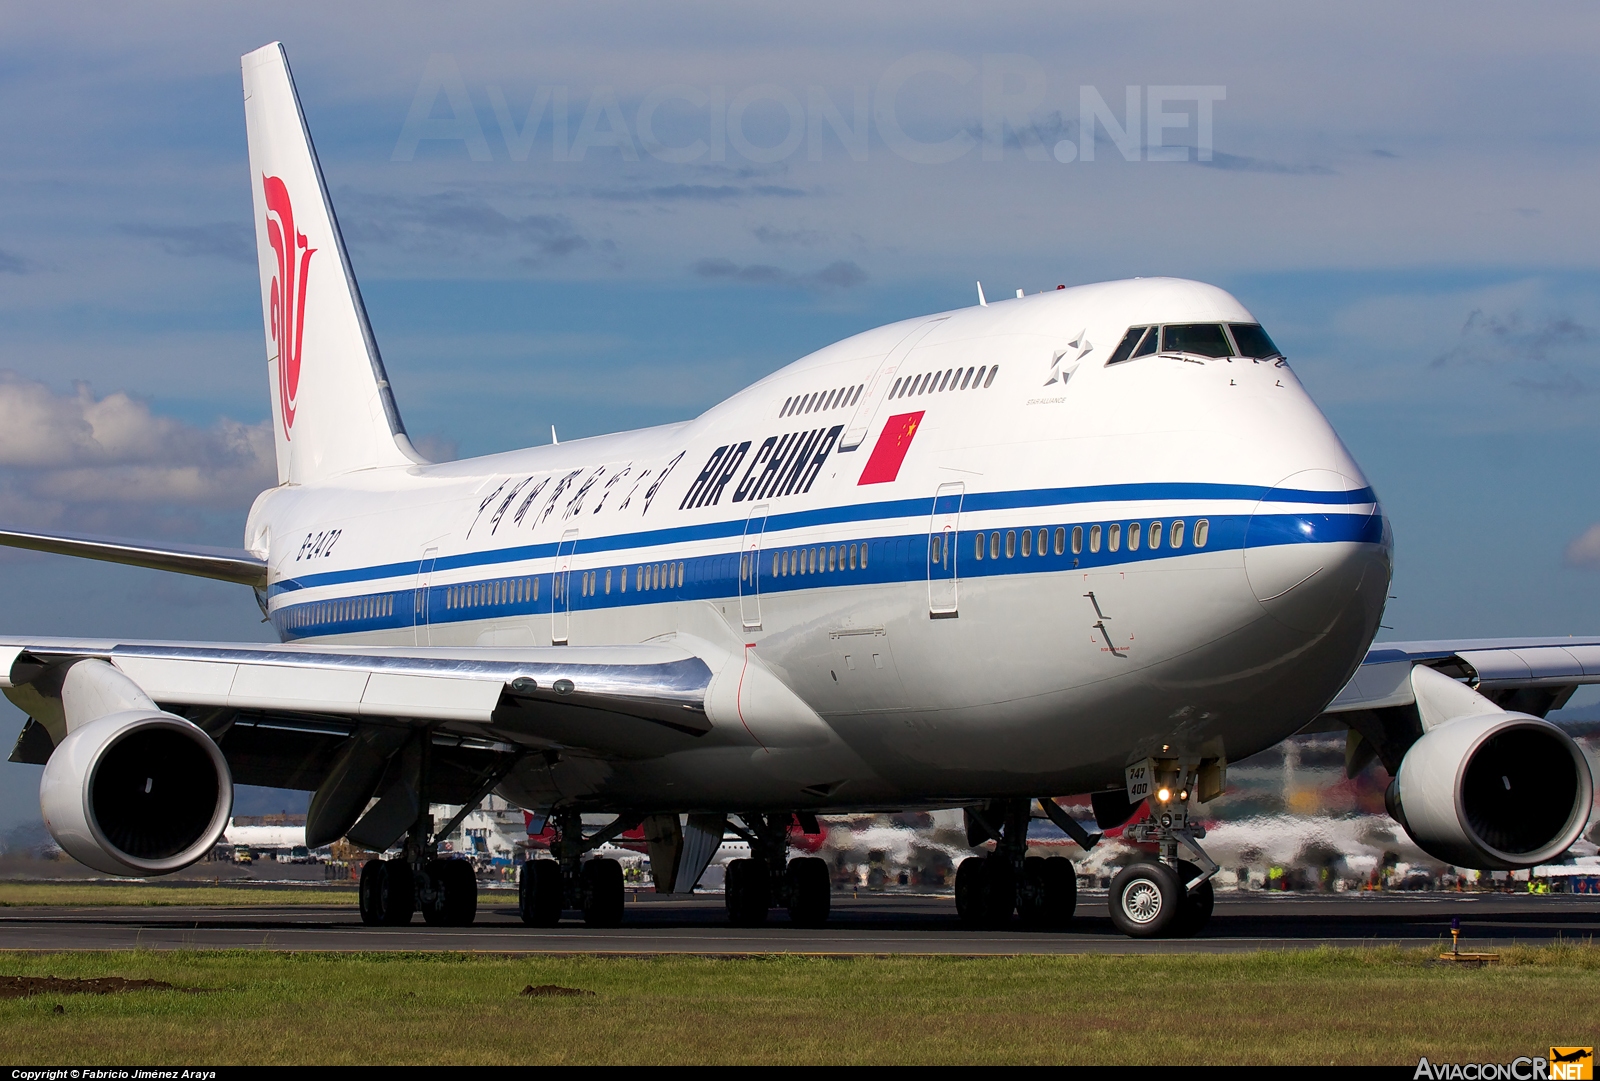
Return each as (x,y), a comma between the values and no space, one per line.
(1170,897)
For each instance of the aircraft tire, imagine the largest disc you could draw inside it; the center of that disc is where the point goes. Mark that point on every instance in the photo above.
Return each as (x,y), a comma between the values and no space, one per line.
(809,891)
(1051,893)
(395,894)
(457,886)
(603,895)
(367,893)
(1146,899)
(539,900)
(969,892)
(999,891)
(1197,903)
(746,893)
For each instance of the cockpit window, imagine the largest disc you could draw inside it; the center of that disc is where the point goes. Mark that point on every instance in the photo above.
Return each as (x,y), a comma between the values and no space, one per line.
(1125,349)
(1253,341)
(1201,339)
(1152,339)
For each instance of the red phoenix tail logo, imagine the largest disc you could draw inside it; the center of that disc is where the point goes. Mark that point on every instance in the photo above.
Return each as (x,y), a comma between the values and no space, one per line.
(288,299)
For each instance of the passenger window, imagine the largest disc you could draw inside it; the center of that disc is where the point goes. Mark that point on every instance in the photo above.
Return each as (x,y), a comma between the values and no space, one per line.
(833,558)
(1177,534)
(894,392)
(1114,537)
(1094,538)
(608,581)
(1202,532)
(536,587)
(863,557)
(965,379)
(1042,537)
(992,373)
(994,545)
(852,557)
(1027,543)
(977,548)
(979,378)
(1061,539)
(934,545)
(1077,539)
(1133,536)
(1011,543)
(1155,535)
(1124,348)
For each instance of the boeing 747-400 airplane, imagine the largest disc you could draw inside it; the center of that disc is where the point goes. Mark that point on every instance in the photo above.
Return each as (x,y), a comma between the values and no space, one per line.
(1092,540)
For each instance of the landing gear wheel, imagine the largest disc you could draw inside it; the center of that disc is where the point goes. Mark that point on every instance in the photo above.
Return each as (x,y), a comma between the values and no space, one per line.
(539,893)
(1050,892)
(456,894)
(809,889)
(1197,903)
(1146,900)
(368,893)
(603,895)
(999,890)
(747,893)
(969,892)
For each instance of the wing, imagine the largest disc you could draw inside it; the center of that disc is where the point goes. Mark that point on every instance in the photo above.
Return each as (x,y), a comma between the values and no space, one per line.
(224,564)
(1378,707)
(283,714)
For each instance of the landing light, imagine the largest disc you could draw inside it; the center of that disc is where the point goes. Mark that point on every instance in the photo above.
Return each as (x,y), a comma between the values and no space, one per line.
(1183,795)
(1164,795)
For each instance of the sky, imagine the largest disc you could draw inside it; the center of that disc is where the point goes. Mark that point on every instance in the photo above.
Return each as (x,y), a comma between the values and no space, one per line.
(602,216)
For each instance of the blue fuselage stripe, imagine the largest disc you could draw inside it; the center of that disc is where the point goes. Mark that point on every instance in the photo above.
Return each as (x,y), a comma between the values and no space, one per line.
(840,515)
(892,559)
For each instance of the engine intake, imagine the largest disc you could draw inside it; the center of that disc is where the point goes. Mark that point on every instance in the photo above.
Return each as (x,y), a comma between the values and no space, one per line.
(137,793)
(1498,791)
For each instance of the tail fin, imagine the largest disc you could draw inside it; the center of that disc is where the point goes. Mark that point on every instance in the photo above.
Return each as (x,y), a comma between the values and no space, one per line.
(332,408)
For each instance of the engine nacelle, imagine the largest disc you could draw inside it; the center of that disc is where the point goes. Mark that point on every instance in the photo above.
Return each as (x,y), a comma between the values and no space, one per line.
(137,793)
(1499,791)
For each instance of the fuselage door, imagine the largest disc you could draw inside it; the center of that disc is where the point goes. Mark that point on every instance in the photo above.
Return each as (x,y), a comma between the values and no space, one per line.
(561,588)
(878,386)
(944,527)
(750,568)
(419,605)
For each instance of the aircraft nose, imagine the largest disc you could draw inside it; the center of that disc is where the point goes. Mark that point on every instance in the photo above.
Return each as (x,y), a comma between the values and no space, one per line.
(1316,544)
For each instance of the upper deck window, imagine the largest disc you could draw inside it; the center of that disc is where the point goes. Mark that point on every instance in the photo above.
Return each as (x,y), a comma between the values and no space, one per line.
(1253,341)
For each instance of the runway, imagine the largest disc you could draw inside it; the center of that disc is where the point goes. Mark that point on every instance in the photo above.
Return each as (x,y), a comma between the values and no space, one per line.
(876,924)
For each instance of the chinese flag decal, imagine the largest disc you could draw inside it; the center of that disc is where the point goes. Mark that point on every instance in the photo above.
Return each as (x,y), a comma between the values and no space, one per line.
(890,450)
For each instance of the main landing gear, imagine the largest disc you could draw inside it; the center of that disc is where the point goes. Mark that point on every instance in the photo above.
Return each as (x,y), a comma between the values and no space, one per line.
(753,886)
(445,890)
(549,887)
(1043,891)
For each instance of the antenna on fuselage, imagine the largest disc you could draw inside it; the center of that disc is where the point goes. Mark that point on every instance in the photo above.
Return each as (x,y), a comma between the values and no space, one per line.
(982,303)
(553,440)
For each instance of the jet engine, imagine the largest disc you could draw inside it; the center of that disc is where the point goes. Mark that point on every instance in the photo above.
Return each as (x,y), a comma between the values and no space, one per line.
(1497,791)
(137,792)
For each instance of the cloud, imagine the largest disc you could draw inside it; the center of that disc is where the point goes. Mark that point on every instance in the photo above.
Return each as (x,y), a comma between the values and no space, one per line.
(806,237)
(441,220)
(703,193)
(841,274)
(1239,163)
(232,241)
(1584,550)
(11,263)
(1553,349)
(60,451)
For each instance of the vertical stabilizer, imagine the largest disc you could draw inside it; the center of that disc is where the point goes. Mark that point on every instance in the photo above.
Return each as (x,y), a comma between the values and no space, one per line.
(332,408)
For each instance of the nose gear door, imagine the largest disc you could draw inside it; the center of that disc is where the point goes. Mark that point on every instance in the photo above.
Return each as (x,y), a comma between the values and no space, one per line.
(944,528)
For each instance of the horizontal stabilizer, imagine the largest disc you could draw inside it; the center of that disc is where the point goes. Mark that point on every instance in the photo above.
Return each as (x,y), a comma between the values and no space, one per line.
(223,564)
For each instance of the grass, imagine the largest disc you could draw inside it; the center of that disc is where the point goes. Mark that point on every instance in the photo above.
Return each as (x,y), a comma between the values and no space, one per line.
(1343,1006)
(17,894)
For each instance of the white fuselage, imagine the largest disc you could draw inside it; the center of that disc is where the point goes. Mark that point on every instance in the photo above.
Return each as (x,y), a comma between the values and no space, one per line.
(945,623)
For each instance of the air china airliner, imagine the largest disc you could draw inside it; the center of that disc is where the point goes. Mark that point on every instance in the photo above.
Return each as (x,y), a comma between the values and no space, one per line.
(1091,540)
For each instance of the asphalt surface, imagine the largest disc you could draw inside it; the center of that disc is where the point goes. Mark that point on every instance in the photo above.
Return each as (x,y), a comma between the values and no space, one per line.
(869,924)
